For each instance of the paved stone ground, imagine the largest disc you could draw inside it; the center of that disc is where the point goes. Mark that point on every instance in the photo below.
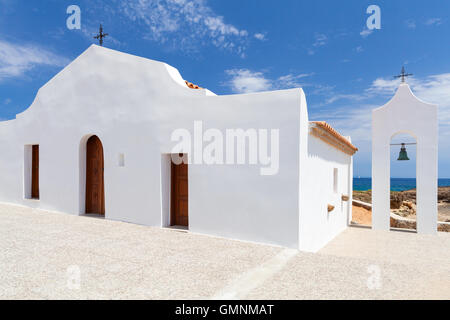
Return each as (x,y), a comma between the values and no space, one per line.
(42,252)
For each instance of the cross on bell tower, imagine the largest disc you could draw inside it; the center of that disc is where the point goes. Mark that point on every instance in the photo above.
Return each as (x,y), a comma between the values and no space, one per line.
(101,35)
(403,75)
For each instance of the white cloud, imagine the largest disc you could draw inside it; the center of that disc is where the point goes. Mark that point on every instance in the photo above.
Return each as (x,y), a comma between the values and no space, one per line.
(435,88)
(260,36)
(382,86)
(433,21)
(365,33)
(331,96)
(7,101)
(354,122)
(411,24)
(323,90)
(218,27)
(247,81)
(186,24)
(290,81)
(320,40)
(337,97)
(359,49)
(16,60)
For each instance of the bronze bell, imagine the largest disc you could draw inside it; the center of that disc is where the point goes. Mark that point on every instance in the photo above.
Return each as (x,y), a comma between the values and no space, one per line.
(403,156)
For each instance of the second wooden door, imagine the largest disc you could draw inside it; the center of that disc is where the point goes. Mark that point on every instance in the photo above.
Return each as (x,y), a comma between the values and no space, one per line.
(35,172)
(95,186)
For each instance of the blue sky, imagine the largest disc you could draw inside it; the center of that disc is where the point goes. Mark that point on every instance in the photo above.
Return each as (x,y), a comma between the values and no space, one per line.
(250,45)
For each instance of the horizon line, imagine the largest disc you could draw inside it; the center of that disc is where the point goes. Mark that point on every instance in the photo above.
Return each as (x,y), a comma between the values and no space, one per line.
(392,178)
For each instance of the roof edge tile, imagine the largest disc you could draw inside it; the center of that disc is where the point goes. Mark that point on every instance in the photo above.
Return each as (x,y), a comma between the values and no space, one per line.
(333,138)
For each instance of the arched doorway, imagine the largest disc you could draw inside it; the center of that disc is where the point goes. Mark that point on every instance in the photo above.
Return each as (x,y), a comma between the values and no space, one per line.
(95,185)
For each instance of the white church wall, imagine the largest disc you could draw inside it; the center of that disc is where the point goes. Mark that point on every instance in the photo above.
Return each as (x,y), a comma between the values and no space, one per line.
(236,201)
(133,105)
(317,225)
(12,170)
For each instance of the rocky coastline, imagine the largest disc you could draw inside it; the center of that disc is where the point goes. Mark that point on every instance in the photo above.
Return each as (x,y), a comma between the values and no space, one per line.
(403,203)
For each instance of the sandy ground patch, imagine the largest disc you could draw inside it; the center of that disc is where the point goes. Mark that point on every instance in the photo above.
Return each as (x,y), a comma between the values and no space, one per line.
(361,216)
(58,256)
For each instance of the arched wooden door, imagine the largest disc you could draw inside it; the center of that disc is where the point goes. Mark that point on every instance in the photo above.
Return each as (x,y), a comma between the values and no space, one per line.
(95,186)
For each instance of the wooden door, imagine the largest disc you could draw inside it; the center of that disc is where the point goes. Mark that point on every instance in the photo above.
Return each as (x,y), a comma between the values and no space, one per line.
(180,195)
(95,185)
(35,172)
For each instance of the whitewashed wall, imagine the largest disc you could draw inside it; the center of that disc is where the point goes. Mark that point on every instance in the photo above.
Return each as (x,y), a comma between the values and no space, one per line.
(317,225)
(133,105)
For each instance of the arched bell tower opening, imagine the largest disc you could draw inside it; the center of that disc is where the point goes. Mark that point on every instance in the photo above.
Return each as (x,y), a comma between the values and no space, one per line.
(403,181)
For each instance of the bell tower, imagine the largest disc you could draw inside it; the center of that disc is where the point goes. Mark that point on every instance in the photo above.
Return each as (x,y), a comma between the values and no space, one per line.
(405,113)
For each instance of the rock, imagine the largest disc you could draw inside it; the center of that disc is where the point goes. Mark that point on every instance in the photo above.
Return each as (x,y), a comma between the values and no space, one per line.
(444,227)
(410,205)
(444,194)
(397,199)
(402,213)
(364,196)
(404,223)
(410,195)
(400,222)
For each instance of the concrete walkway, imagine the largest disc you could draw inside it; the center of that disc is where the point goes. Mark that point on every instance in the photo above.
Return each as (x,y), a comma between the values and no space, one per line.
(47,255)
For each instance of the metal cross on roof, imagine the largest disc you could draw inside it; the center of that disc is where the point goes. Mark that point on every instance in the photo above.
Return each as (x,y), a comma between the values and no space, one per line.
(101,35)
(403,75)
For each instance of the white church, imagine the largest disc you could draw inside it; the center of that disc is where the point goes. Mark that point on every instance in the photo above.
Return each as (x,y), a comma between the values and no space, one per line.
(98,140)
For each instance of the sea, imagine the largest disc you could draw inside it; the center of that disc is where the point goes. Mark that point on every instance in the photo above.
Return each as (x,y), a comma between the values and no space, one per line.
(397,184)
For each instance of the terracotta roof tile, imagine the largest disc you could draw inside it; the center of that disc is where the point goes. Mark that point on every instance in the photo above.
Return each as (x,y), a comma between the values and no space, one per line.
(191,85)
(328,134)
